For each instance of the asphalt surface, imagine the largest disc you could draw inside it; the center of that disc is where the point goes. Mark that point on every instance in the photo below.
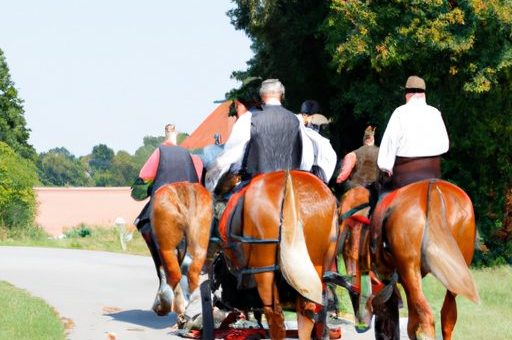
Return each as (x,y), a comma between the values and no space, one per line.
(101,293)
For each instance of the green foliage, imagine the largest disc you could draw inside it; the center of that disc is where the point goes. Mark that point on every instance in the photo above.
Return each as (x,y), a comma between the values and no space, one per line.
(58,167)
(13,130)
(288,45)
(78,232)
(17,199)
(124,169)
(101,157)
(354,57)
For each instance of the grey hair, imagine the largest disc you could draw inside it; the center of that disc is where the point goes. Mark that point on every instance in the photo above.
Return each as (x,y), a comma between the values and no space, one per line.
(271,86)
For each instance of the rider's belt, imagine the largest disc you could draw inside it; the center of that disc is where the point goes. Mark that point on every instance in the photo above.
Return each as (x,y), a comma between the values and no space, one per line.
(412,169)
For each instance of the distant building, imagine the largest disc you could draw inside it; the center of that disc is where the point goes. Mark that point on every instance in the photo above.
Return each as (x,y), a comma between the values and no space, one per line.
(218,122)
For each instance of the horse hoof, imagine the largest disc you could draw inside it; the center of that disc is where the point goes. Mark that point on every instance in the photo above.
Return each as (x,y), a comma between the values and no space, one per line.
(362,327)
(163,302)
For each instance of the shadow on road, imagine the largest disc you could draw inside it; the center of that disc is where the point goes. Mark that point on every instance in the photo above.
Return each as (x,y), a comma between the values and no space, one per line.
(144,318)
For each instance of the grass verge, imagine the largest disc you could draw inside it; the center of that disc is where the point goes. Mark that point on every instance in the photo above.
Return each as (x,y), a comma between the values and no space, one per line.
(23,316)
(491,319)
(83,237)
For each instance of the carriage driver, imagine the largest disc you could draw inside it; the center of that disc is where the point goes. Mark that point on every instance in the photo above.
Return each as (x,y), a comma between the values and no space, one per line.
(267,140)
(414,139)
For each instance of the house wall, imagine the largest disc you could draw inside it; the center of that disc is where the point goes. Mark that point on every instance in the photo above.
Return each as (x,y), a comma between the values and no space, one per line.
(60,208)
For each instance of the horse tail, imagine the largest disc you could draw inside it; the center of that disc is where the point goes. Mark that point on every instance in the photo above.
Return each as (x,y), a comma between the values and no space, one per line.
(296,265)
(440,249)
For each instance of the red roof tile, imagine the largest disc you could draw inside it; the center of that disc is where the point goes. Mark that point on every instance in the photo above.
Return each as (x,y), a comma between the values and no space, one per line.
(217,122)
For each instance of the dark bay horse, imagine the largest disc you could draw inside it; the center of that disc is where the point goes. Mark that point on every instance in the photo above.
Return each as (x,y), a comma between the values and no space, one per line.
(425,227)
(298,211)
(181,210)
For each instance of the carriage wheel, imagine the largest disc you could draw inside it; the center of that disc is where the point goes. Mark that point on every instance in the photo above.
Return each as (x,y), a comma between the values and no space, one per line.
(207,310)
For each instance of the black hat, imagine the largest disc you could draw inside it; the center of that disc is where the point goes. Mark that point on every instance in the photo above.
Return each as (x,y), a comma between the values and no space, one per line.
(310,107)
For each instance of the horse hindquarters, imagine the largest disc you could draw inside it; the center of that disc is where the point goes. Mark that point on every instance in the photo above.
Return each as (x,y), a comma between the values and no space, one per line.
(447,257)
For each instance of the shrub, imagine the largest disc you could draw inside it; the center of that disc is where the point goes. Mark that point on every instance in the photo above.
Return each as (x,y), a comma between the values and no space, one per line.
(17,199)
(78,232)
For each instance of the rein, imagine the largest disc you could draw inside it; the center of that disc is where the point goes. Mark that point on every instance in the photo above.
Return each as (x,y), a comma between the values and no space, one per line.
(354,210)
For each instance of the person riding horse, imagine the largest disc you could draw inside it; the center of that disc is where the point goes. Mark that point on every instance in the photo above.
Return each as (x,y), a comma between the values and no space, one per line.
(169,163)
(360,166)
(414,139)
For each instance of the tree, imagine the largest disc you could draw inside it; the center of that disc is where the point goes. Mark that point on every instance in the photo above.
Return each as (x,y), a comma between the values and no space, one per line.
(101,158)
(58,167)
(13,130)
(124,170)
(17,199)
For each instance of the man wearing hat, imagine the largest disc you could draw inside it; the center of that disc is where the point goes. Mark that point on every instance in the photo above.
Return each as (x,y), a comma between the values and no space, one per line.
(360,166)
(318,156)
(414,139)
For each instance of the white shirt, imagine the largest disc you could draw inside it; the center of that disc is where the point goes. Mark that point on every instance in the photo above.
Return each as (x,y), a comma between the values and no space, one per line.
(234,150)
(415,129)
(316,150)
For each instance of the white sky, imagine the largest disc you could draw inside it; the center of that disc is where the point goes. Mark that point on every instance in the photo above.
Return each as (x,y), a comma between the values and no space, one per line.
(114,71)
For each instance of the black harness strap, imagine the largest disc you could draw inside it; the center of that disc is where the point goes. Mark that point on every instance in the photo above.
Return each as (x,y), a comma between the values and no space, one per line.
(354,210)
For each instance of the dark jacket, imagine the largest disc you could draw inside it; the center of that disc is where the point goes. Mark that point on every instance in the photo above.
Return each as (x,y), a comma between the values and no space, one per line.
(175,165)
(366,170)
(275,142)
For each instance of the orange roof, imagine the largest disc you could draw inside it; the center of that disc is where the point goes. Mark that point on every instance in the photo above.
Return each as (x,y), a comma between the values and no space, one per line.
(217,122)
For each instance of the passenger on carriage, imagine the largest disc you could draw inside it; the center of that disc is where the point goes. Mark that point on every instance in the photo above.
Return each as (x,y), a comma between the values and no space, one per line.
(414,139)
(360,166)
(268,140)
(169,163)
(314,144)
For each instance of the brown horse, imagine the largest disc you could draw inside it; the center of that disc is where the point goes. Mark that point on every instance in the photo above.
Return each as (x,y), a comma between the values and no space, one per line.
(181,210)
(425,227)
(298,211)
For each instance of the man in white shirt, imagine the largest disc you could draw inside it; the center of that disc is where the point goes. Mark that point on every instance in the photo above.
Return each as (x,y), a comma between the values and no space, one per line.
(414,139)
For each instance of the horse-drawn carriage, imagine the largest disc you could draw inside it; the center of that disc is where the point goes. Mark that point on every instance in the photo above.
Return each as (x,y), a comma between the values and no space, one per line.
(278,240)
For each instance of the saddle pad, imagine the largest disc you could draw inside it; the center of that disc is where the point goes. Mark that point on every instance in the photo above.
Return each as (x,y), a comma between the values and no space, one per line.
(379,215)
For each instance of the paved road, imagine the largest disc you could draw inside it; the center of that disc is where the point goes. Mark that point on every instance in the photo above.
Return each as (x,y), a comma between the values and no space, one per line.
(100,292)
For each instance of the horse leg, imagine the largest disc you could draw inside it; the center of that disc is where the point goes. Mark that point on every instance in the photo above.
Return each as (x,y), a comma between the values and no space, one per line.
(421,324)
(173,273)
(448,315)
(198,253)
(305,317)
(271,306)
(387,321)
(149,238)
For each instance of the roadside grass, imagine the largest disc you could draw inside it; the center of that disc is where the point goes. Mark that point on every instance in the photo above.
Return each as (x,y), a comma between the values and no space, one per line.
(82,237)
(23,316)
(491,319)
